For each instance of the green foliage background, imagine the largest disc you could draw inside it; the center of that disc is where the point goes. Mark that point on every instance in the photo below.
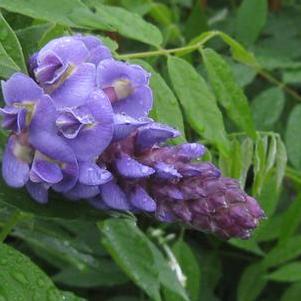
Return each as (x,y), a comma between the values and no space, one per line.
(225,73)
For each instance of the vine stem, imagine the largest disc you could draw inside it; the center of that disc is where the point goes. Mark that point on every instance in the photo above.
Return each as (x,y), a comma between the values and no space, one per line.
(186,49)
(145,54)
(190,48)
(278,83)
(7,228)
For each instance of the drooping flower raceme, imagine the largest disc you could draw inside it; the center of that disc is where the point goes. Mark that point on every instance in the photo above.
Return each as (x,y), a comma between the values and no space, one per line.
(79,125)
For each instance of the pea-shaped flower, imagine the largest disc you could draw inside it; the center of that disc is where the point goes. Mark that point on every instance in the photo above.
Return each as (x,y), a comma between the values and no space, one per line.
(127,87)
(66,68)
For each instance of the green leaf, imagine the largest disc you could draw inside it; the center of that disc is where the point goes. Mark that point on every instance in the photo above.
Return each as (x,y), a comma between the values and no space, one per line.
(251,17)
(243,74)
(259,163)
(248,245)
(251,283)
(29,37)
(138,257)
(247,150)
(239,53)
(269,196)
(292,131)
(272,153)
(129,24)
(288,273)
(7,65)
(236,167)
(228,92)
(166,108)
(196,22)
(281,160)
(21,279)
(54,31)
(211,268)
(105,274)
(11,44)
(264,117)
(269,229)
(198,103)
(232,164)
(63,12)
(79,264)
(55,208)
(283,252)
(292,76)
(191,268)
(291,219)
(130,250)
(293,293)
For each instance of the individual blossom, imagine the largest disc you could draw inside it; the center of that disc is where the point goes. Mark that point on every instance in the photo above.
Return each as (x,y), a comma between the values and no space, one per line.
(127,87)
(21,95)
(66,68)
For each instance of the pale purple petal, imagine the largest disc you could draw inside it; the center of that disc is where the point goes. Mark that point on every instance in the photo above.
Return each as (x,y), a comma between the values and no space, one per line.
(33,63)
(154,133)
(14,118)
(124,125)
(140,199)
(110,70)
(205,170)
(50,69)
(68,125)
(45,170)
(97,51)
(74,90)
(99,54)
(166,171)
(67,49)
(95,137)
(43,136)
(15,171)
(19,88)
(38,191)
(81,191)
(190,151)
(137,104)
(130,168)
(114,197)
(92,174)
(164,214)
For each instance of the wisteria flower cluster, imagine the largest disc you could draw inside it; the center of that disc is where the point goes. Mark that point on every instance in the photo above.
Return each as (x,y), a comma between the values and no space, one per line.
(79,125)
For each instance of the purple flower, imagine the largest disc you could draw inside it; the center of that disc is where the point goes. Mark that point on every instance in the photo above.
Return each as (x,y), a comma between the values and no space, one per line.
(16,159)
(66,68)
(21,95)
(82,130)
(167,181)
(127,87)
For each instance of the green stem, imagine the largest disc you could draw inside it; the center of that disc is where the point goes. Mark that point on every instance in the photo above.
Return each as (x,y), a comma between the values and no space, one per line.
(280,84)
(195,46)
(13,220)
(185,49)
(157,52)
(293,175)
